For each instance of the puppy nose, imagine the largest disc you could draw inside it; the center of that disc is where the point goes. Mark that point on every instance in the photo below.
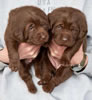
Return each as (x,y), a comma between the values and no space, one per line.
(64,39)
(43,36)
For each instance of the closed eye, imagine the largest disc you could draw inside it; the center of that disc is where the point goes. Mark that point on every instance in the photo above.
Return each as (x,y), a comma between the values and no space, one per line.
(74,30)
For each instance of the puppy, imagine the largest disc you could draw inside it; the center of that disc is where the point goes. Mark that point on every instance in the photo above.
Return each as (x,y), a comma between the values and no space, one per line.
(26,24)
(69,29)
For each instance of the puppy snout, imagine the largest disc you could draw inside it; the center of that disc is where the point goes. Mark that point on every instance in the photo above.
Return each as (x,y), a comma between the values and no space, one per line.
(64,38)
(42,36)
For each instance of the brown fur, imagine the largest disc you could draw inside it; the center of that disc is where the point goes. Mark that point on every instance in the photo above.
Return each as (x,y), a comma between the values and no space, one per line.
(69,23)
(26,24)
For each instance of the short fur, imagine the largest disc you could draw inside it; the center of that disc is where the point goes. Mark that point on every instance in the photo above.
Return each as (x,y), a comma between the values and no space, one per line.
(69,23)
(26,24)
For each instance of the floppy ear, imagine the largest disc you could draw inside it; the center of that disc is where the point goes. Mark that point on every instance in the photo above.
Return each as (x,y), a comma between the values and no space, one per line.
(14,27)
(51,19)
(83,28)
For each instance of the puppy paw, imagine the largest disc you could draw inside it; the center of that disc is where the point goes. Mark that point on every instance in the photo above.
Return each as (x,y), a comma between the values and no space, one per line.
(43,82)
(37,74)
(13,67)
(65,62)
(45,79)
(32,88)
(48,88)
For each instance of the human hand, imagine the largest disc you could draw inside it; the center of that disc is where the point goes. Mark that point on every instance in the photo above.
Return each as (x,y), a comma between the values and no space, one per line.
(78,57)
(57,51)
(4,55)
(28,52)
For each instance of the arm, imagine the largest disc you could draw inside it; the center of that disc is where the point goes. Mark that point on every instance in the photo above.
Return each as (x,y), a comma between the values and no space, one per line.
(2,55)
(87,10)
(26,51)
(88,69)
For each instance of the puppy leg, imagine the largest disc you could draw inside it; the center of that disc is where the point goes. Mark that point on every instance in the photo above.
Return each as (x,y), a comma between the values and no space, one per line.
(27,77)
(69,52)
(45,77)
(38,69)
(12,47)
(61,75)
(47,71)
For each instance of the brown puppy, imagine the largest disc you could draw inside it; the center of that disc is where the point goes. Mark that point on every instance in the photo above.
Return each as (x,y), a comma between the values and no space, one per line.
(69,29)
(26,24)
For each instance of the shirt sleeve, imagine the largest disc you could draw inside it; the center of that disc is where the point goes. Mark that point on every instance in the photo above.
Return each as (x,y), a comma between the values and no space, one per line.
(88,69)
(87,11)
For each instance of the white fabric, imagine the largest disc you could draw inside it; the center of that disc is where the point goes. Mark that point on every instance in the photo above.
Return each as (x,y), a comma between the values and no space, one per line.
(13,88)
(78,87)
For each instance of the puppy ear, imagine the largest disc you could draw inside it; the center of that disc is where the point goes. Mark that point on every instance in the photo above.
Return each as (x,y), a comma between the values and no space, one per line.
(83,28)
(50,18)
(51,21)
(14,29)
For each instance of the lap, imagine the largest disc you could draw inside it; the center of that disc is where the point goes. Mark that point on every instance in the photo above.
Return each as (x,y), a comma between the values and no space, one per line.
(13,88)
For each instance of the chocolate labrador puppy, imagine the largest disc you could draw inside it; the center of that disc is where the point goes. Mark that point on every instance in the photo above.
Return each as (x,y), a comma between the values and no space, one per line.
(69,29)
(30,25)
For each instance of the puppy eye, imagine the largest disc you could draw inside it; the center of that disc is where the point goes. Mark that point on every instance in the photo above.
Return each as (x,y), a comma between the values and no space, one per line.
(31,26)
(74,30)
(45,26)
(60,26)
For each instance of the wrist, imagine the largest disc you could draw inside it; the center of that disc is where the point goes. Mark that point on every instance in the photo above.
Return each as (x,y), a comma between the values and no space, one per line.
(86,62)
(81,66)
(4,56)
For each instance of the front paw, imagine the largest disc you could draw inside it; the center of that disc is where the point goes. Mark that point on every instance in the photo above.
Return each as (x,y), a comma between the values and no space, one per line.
(32,88)
(38,74)
(49,87)
(13,67)
(65,61)
(45,79)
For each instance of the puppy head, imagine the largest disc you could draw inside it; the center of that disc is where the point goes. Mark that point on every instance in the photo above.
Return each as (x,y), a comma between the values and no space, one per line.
(68,25)
(29,24)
